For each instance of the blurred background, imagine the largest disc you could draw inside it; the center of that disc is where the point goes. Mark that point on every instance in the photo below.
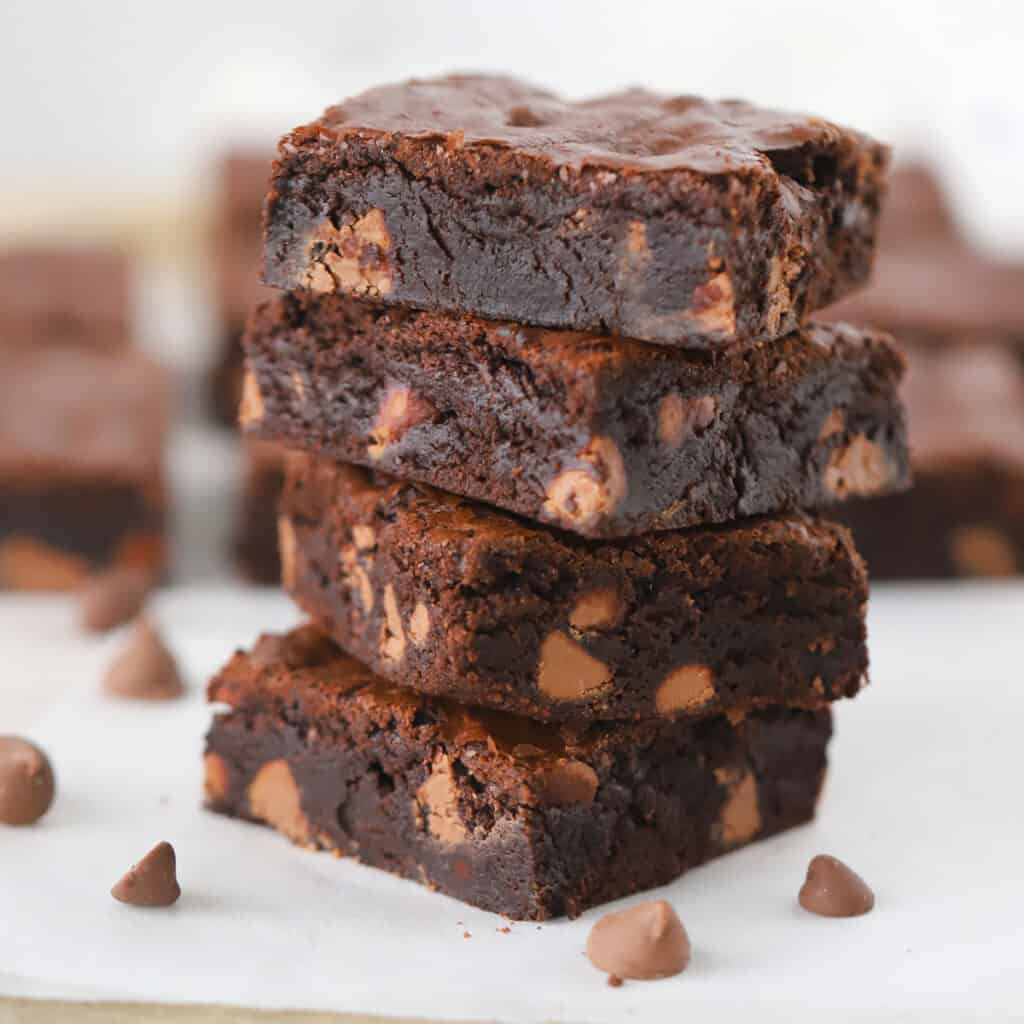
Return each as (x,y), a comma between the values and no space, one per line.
(114,105)
(149,129)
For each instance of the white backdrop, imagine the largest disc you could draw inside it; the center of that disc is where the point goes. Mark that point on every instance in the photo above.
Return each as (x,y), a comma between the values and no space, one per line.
(122,97)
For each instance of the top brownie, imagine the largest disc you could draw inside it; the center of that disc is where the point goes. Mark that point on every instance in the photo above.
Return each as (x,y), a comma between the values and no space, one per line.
(675,220)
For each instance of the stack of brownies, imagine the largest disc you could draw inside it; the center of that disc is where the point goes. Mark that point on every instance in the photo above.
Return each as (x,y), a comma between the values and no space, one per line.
(572,630)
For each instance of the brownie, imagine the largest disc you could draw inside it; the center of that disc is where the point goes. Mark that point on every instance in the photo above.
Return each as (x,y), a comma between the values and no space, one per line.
(965,514)
(603,436)
(960,317)
(676,220)
(460,600)
(227,377)
(930,284)
(238,232)
(916,208)
(65,295)
(236,256)
(930,292)
(528,820)
(81,474)
(256,531)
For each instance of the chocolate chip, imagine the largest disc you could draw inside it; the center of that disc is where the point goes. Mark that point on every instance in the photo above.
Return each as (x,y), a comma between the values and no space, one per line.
(26,782)
(145,669)
(113,597)
(153,882)
(523,117)
(646,941)
(833,890)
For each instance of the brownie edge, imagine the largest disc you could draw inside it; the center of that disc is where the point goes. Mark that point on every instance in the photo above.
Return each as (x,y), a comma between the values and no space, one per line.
(454,598)
(523,819)
(675,220)
(600,435)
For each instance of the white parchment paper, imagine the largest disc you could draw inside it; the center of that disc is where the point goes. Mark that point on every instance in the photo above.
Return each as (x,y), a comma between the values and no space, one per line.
(924,799)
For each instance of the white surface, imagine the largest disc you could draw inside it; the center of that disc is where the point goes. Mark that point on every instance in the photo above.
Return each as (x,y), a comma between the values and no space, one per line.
(923,799)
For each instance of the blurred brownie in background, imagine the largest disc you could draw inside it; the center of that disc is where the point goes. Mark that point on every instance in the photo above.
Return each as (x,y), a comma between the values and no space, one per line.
(256,547)
(959,315)
(81,464)
(237,254)
(965,513)
(915,209)
(929,284)
(65,295)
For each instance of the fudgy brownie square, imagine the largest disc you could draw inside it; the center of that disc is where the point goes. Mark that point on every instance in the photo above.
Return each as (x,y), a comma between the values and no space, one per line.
(603,436)
(453,598)
(675,220)
(256,530)
(65,295)
(81,465)
(528,820)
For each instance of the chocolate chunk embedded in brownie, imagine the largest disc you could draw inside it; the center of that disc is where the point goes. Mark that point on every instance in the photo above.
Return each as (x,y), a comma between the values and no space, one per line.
(676,220)
(523,819)
(603,436)
(460,600)
(965,513)
(81,465)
